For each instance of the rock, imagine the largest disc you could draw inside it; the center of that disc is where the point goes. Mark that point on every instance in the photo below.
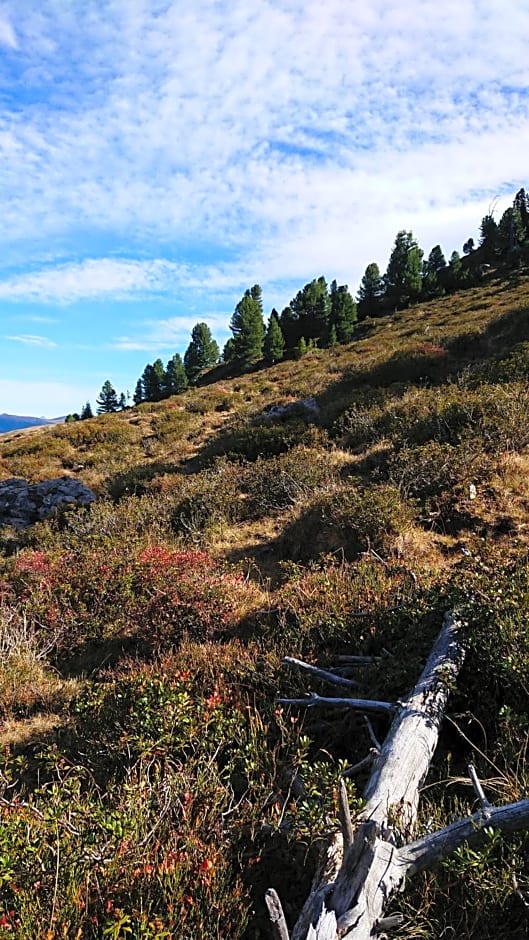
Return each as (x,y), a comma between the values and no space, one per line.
(306,408)
(23,503)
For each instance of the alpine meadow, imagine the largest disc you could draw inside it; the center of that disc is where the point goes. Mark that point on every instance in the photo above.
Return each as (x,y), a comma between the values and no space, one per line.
(344,479)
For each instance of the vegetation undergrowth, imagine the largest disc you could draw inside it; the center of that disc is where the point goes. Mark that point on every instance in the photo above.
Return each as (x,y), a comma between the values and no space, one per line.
(150,786)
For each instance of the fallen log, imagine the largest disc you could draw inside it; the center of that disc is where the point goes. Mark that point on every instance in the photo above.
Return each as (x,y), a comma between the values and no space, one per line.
(363,867)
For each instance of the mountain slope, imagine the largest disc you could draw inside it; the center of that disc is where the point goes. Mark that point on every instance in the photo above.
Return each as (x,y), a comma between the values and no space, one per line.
(142,639)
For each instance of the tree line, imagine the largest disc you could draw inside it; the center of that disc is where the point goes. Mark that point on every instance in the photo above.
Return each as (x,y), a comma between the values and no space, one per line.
(323,316)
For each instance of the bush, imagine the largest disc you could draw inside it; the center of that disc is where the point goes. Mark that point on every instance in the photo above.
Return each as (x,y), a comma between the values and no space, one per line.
(351,520)
(273,484)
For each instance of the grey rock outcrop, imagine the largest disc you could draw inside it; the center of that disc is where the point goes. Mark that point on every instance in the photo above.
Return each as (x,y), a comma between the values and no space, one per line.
(306,408)
(23,503)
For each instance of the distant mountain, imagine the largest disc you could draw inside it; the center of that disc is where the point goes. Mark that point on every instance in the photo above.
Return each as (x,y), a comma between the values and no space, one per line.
(16,422)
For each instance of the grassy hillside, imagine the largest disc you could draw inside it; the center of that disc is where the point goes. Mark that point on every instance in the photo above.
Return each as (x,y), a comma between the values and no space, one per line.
(150,787)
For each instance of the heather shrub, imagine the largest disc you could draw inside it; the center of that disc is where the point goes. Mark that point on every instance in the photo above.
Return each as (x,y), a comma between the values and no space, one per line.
(273,484)
(261,439)
(207,500)
(444,480)
(349,520)
(152,595)
(27,682)
(333,604)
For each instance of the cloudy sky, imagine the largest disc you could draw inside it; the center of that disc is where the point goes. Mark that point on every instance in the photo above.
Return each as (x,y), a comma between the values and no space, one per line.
(158,157)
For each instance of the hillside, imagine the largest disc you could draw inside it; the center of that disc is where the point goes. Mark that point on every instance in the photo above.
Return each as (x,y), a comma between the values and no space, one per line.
(150,785)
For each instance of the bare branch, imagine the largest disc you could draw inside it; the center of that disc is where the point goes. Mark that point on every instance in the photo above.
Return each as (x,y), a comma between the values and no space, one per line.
(478,789)
(345,816)
(425,853)
(362,705)
(365,762)
(324,674)
(277,918)
(371,731)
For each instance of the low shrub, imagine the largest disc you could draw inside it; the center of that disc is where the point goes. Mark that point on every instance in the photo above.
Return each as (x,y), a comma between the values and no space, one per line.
(152,595)
(273,484)
(350,520)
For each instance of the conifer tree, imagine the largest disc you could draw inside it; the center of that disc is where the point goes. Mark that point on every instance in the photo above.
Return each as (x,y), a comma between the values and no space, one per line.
(137,398)
(488,241)
(455,276)
(86,411)
(201,353)
(153,381)
(247,327)
(107,402)
(370,292)
(343,314)
(403,278)
(175,378)
(290,327)
(521,204)
(311,306)
(433,273)
(274,341)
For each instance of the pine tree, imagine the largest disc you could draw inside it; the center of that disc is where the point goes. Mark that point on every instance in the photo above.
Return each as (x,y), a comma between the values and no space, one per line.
(301,348)
(137,398)
(488,241)
(228,353)
(511,234)
(247,327)
(521,203)
(175,378)
(343,314)
(86,411)
(153,381)
(107,402)
(456,276)
(274,341)
(370,292)
(403,278)
(433,273)
(201,353)
(290,327)
(312,306)
(122,401)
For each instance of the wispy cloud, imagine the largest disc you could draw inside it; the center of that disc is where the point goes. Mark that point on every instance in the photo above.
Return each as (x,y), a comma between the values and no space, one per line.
(30,340)
(170,333)
(158,149)
(181,130)
(7,33)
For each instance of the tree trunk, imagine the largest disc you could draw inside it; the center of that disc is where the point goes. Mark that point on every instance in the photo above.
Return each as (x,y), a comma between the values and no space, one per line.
(363,869)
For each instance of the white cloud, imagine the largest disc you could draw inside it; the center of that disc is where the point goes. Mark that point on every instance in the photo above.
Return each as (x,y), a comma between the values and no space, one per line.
(7,33)
(177,148)
(92,279)
(171,333)
(30,340)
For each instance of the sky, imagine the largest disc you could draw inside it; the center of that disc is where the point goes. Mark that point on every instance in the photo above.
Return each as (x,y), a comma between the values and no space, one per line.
(159,157)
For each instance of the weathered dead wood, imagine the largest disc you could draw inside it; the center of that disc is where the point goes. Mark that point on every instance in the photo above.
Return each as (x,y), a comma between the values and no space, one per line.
(371,868)
(427,852)
(277,918)
(324,674)
(363,868)
(362,705)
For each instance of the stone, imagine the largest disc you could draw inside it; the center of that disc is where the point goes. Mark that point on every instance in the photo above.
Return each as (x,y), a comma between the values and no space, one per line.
(23,503)
(307,409)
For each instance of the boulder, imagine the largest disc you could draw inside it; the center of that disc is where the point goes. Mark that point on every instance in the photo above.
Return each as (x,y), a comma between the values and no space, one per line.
(23,503)
(307,409)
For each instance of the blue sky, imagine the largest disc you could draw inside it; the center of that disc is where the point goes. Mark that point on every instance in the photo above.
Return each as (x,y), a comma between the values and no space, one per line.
(160,156)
